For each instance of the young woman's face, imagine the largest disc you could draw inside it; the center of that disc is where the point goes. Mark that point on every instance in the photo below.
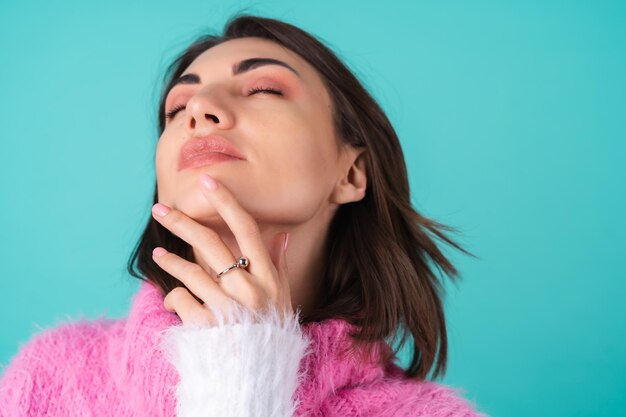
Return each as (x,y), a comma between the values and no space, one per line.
(291,157)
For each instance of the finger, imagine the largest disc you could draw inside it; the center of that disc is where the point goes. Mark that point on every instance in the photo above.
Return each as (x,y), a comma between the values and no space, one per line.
(195,278)
(245,291)
(284,274)
(242,224)
(282,296)
(276,249)
(284,271)
(205,240)
(183,303)
(277,255)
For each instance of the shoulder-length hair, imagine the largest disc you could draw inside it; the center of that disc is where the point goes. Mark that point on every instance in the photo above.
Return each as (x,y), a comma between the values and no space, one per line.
(377,251)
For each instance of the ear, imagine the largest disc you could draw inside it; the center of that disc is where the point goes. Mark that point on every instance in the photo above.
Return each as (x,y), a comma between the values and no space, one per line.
(352,182)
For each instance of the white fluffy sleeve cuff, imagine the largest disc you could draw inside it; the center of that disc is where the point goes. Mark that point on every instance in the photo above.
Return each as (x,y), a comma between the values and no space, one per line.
(245,366)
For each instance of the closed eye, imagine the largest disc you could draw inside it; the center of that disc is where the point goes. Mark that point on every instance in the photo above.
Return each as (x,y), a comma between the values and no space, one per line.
(174,110)
(267,90)
(170,114)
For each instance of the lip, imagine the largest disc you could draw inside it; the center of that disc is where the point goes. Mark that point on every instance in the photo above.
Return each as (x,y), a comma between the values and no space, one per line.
(207,150)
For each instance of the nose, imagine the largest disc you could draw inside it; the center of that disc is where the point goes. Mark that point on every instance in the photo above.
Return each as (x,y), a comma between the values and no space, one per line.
(207,112)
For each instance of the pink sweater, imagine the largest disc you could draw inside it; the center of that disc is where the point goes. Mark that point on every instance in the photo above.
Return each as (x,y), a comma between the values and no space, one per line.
(148,364)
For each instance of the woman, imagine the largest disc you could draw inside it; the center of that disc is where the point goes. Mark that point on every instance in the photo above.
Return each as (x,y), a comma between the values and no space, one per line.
(281,257)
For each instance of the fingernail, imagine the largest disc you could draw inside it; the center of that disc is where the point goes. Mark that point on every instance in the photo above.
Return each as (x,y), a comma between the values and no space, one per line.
(160,209)
(158,252)
(286,242)
(209,182)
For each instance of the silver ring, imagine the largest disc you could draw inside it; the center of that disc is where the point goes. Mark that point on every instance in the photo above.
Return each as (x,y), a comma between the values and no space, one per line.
(242,262)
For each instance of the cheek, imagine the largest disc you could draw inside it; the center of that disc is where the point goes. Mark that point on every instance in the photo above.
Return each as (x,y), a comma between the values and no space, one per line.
(311,163)
(300,177)
(303,150)
(163,168)
(301,147)
(160,160)
(303,139)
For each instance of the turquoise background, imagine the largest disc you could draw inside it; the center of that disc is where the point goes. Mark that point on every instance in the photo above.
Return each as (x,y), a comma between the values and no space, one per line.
(512,116)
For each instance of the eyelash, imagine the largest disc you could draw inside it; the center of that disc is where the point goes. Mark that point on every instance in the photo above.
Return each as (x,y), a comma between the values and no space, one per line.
(170,114)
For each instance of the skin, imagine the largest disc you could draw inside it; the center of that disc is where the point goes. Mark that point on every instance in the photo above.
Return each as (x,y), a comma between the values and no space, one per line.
(295,175)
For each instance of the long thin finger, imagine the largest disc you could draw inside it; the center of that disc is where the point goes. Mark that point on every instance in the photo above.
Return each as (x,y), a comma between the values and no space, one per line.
(242,224)
(192,275)
(181,301)
(205,240)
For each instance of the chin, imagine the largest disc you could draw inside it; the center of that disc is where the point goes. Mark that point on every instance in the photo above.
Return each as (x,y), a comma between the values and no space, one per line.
(195,205)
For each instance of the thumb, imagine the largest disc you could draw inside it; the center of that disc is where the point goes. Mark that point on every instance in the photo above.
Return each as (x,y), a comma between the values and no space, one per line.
(277,253)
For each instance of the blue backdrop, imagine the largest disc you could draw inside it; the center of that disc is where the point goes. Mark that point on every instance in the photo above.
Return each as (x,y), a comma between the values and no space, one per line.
(511,115)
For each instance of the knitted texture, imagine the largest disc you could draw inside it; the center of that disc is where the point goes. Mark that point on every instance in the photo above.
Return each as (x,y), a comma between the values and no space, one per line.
(130,367)
(219,365)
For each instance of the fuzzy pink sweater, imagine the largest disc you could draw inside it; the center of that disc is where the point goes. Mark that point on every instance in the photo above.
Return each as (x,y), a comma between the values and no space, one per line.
(148,364)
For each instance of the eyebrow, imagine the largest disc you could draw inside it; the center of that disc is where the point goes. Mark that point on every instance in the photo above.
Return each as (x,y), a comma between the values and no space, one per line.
(239,68)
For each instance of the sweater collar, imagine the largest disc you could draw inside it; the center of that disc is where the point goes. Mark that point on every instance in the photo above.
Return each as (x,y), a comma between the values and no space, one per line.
(140,368)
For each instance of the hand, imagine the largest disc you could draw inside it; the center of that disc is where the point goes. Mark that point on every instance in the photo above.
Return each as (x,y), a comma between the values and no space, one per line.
(263,281)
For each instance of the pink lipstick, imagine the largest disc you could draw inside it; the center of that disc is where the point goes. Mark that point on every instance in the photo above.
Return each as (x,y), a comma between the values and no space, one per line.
(207,150)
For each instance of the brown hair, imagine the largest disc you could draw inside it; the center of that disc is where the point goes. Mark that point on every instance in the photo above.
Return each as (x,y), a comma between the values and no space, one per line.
(377,275)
